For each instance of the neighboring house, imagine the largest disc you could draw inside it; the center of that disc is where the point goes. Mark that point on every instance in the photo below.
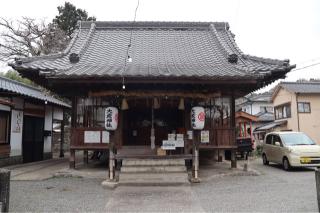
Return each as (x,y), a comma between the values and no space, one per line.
(297,108)
(26,118)
(255,103)
(259,105)
(169,68)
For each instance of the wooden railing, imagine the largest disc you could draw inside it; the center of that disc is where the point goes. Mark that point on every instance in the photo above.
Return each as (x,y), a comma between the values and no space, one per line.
(221,138)
(77,139)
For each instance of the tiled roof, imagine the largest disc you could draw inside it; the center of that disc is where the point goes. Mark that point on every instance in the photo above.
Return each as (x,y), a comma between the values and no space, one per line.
(270,125)
(304,87)
(29,91)
(265,116)
(158,49)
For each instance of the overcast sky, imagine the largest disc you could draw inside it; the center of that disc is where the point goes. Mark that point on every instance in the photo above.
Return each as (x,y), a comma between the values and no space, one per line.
(280,29)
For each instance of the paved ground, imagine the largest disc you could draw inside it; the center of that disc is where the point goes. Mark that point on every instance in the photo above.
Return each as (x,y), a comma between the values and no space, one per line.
(273,190)
(37,171)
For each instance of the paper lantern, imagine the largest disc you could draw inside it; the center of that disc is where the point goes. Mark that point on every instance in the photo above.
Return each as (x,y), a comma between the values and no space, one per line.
(198,117)
(111,118)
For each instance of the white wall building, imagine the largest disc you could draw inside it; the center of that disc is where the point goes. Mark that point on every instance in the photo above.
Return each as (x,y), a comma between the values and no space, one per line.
(26,119)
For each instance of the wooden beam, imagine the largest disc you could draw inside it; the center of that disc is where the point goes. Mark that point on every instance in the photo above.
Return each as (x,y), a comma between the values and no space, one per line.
(6,102)
(154,94)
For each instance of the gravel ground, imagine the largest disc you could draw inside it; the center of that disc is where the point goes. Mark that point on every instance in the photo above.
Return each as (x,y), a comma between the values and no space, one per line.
(58,195)
(273,191)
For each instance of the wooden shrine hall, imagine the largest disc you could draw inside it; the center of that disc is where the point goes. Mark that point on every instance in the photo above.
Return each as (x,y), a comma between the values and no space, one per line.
(152,74)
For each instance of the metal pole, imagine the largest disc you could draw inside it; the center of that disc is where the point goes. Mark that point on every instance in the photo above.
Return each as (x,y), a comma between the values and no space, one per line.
(317,174)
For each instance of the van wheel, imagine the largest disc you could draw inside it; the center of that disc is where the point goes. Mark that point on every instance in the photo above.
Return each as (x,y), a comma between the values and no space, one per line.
(286,164)
(264,159)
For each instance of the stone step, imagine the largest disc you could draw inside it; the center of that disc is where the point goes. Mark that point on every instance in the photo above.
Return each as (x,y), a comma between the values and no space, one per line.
(156,169)
(153,162)
(153,179)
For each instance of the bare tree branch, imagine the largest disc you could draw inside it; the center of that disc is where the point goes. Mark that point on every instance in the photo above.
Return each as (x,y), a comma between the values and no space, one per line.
(28,36)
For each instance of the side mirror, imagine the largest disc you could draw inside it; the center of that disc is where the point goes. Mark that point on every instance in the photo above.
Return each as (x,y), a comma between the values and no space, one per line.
(277,143)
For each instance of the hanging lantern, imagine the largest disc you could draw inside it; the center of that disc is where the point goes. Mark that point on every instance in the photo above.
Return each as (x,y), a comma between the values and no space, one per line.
(181,104)
(156,104)
(111,118)
(198,117)
(124,104)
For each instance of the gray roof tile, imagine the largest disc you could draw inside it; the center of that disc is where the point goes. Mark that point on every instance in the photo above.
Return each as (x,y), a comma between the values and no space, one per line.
(302,87)
(177,49)
(29,91)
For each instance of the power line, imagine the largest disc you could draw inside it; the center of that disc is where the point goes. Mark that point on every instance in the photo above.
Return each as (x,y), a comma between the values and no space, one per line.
(309,60)
(128,58)
(304,67)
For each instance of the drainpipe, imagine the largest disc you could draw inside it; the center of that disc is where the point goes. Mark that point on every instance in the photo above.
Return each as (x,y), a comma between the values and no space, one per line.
(297,112)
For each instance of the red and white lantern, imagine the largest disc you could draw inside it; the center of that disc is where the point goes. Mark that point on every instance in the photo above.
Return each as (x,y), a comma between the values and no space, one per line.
(111,118)
(198,117)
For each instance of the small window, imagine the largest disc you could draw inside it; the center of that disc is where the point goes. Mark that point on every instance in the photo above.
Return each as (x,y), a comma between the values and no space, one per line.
(304,107)
(4,127)
(269,139)
(276,138)
(283,111)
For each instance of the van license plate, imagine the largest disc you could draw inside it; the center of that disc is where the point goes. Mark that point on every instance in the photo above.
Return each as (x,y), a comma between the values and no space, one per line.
(305,160)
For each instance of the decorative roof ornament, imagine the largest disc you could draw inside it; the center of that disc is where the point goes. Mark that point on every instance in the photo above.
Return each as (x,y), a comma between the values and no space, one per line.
(233,58)
(74,58)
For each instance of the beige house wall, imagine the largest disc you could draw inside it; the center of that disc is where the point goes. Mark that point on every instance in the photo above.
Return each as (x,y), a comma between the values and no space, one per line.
(284,97)
(308,122)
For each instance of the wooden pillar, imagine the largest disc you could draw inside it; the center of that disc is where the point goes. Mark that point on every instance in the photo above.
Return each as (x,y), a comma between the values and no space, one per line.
(74,112)
(195,157)
(85,157)
(72,159)
(220,157)
(233,125)
(233,159)
(111,162)
(61,155)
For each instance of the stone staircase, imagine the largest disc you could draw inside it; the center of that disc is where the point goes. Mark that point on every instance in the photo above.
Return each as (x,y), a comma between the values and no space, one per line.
(154,172)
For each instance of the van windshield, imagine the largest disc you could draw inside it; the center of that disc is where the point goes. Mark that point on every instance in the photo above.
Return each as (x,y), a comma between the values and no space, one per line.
(294,139)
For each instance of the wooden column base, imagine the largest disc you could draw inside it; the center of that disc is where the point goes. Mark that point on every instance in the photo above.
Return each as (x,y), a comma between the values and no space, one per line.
(220,157)
(72,160)
(233,159)
(85,157)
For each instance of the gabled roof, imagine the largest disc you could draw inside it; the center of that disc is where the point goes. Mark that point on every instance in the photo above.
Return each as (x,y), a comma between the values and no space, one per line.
(304,87)
(299,87)
(245,116)
(205,50)
(255,98)
(28,91)
(270,125)
(265,116)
